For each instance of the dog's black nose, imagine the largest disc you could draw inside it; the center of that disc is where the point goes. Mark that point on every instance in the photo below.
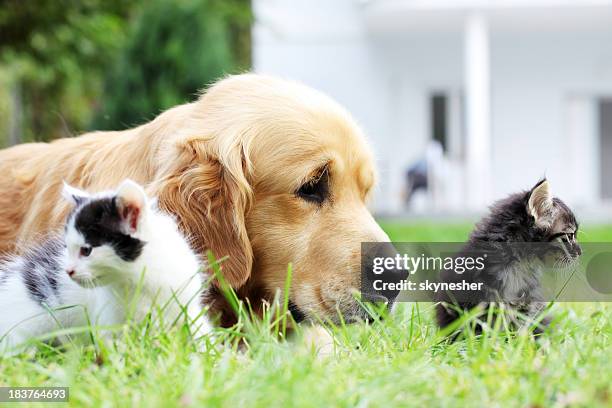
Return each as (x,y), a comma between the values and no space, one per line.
(378,272)
(375,298)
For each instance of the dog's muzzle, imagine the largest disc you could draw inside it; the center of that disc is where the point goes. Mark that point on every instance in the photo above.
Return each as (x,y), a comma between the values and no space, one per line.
(368,276)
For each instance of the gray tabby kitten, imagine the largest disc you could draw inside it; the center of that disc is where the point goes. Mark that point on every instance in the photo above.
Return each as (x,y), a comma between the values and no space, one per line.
(521,233)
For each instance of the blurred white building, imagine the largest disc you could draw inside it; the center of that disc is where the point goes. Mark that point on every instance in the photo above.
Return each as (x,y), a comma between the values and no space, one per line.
(512,89)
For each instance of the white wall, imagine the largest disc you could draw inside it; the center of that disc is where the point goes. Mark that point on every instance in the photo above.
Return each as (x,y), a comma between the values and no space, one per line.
(535,77)
(413,66)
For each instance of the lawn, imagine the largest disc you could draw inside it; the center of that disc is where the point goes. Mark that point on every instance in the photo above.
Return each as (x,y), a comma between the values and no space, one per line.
(400,361)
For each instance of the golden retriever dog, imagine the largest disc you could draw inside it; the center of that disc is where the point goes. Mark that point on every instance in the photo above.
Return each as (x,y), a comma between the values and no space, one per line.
(261,171)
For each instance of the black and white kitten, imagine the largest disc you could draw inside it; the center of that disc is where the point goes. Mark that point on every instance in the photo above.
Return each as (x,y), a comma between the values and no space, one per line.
(119,256)
(521,234)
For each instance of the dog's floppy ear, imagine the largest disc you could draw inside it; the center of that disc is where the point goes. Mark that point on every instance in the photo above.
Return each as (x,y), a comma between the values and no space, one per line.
(210,199)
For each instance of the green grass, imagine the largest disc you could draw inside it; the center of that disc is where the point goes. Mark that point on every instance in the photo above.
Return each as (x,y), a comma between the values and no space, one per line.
(401,361)
(459,232)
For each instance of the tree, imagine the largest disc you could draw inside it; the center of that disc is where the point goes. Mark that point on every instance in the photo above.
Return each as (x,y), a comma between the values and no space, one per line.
(53,54)
(64,63)
(174,50)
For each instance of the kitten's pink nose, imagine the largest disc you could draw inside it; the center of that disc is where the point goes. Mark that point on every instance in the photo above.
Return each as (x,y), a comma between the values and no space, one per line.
(70,272)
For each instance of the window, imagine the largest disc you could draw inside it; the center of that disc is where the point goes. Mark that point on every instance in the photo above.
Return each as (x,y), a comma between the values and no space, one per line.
(605,158)
(438,107)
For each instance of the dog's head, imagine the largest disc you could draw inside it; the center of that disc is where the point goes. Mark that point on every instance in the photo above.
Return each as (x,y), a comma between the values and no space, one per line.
(269,172)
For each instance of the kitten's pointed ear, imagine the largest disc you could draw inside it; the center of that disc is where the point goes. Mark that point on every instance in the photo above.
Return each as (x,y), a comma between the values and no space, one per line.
(131,204)
(540,201)
(73,194)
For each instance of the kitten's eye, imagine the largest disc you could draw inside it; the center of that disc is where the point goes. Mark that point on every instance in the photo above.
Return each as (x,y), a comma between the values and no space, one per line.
(85,251)
(561,235)
(570,237)
(315,190)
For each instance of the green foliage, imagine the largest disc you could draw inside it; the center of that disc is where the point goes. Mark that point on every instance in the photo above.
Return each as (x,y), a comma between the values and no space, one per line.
(54,53)
(174,50)
(61,59)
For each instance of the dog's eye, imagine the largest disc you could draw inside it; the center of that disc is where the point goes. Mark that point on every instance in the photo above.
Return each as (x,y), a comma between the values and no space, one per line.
(315,190)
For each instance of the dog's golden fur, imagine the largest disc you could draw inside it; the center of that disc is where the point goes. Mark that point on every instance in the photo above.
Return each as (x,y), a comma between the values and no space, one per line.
(228,166)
